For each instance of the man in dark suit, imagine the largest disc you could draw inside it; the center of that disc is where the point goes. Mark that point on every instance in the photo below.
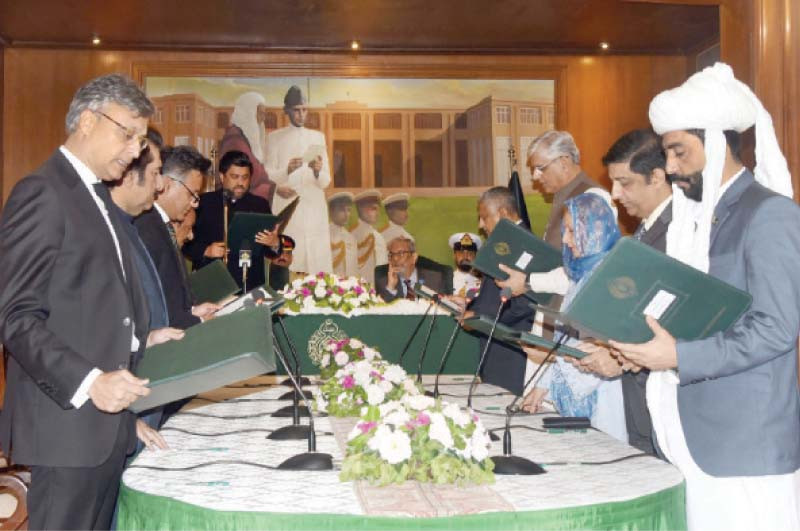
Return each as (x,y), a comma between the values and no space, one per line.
(636,165)
(208,244)
(504,365)
(72,313)
(183,168)
(396,280)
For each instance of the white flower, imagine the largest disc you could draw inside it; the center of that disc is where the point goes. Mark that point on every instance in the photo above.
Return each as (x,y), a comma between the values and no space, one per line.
(326,360)
(319,291)
(466,453)
(394,373)
(410,387)
(381,433)
(389,406)
(361,373)
(454,412)
(480,444)
(439,431)
(331,347)
(356,344)
(386,386)
(375,395)
(395,447)
(322,404)
(419,402)
(398,417)
(364,297)
(355,303)
(341,358)
(341,398)
(309,278)
(335,299)
(297,284)
(370,354)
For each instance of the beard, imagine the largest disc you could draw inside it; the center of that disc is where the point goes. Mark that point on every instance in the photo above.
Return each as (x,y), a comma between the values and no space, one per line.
(464,266)
(695,182)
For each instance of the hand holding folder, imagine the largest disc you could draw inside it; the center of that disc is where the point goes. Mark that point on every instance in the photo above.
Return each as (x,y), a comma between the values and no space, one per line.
(515,338)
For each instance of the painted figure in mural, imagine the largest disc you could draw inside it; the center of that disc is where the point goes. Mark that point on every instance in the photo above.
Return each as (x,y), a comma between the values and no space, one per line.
(371,245)
(246,134)
(396,206)
(344,249)
(297,159)
(465,246)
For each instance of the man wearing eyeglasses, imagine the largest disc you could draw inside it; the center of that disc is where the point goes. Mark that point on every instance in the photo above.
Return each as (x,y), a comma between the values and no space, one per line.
(183,169)
(396,280)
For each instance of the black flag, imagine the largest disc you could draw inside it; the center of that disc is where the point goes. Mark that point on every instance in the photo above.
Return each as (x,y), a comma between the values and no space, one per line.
(515,187)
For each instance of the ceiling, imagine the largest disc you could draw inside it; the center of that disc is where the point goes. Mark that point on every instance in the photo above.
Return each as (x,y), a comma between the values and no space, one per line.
(429,26)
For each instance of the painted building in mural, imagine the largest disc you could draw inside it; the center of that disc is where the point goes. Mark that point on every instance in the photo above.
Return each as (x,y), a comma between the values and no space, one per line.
(387,148)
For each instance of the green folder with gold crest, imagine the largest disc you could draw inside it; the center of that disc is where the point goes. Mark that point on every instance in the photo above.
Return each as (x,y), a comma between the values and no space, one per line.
(212,354)
(635,280)
(520,249)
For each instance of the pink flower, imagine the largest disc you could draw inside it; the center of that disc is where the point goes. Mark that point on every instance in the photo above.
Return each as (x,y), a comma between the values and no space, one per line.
(321,274)
(328,292)
(366,426)
(358,289)
(360,354)
(340,290)
(306,292)
(423,419)
(348,382)
(312,283)
(372,292)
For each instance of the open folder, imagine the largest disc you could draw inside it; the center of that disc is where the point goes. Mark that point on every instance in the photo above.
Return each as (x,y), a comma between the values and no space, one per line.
(483,324)
(245,225)
(213,283)
(520,249)
(635,280)
(212,354)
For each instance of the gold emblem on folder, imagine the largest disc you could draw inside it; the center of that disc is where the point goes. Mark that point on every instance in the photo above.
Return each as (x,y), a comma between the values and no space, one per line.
(622,288)
(502,249)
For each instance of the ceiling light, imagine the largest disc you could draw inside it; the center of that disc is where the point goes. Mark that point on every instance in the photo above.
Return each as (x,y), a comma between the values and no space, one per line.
(354,45)
(95,40)
(604,46)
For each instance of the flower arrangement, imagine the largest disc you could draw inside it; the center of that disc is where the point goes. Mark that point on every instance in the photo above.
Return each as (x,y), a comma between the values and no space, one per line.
(418,438)
(338,353)
(325,290)
(360,383)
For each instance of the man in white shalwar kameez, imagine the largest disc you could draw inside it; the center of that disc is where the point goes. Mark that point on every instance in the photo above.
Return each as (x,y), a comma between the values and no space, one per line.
(297,158)
(372,250)
(726,409)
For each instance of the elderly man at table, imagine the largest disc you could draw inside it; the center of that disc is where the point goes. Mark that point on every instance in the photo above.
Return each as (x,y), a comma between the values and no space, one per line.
(72,313)
(396,280)
(726,408)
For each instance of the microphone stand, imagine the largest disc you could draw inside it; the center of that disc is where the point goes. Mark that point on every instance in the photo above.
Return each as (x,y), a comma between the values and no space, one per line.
(414,333)
(310,460)
(447,349)
(295,408)
(508,464)
(434,300)
(483,354)
(293,351)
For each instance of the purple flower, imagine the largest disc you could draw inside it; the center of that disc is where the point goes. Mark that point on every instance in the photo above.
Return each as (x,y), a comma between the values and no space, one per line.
(360,354)
(365,427)
(321,274)
(340,290)
(348,381)
(328,292)
(358,289)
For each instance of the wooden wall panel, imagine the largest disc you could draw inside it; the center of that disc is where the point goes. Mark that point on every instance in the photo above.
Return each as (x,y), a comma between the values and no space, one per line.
(599,97)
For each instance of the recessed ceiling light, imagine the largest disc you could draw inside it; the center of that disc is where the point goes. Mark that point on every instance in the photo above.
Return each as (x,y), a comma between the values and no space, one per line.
(354,45)
(95,40)
(604,46)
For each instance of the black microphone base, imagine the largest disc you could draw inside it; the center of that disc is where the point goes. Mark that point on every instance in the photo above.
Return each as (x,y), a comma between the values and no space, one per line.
(302,381)
(493,436)
(289,395)
(512,465)
(295,432)
(308,461)
(431,394)
(288,411)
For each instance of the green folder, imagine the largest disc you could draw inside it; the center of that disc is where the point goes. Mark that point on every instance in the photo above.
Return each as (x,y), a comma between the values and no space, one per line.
(520,249)
(212,354)
(635,279)
(245,225)
(213,283)
(260,295)
(483,324)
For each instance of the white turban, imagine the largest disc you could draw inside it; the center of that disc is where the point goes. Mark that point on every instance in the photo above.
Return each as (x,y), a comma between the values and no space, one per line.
(714,101)
(244,116)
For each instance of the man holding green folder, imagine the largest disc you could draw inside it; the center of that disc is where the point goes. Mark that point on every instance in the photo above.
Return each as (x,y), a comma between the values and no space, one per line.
(726,409)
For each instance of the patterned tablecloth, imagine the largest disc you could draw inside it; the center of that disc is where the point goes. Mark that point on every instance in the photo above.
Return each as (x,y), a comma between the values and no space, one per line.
(218,473)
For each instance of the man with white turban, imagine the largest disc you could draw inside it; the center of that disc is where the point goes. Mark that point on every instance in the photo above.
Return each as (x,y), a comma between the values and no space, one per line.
(726,409)
(246,134)
(297,159)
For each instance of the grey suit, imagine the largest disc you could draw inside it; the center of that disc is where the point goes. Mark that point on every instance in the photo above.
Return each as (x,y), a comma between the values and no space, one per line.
(738,396)
(637,417)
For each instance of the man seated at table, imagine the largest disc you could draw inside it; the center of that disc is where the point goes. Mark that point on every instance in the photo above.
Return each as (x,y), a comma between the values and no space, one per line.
(465,247)
(278,269)
(396,280)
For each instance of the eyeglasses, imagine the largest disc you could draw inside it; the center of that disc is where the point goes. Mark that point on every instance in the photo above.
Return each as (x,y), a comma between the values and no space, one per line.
(541,168)
(195,197)
(130,134)
(399,254)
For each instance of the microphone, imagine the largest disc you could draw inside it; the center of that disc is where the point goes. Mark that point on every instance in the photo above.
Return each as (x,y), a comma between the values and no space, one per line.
(470,296)
(311,460)
(245,254)
(435,298)
(505,294)
(507,463)
(227,195)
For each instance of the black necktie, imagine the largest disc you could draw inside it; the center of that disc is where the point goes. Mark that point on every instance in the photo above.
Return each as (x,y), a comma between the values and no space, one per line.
(181,262)
(410,295)
(640,232)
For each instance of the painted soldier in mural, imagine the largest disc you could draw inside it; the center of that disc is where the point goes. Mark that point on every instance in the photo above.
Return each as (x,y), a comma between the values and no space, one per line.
(396,206)
(343,244)
(371,245)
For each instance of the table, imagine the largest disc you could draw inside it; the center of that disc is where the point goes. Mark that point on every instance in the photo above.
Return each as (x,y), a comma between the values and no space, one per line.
(388,332)
(637,493)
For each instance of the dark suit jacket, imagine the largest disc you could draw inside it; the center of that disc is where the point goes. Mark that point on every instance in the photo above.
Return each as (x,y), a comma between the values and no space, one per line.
(634,385)
(504,365)
(178,294)
(65,308)
(434,275)
(210,228)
